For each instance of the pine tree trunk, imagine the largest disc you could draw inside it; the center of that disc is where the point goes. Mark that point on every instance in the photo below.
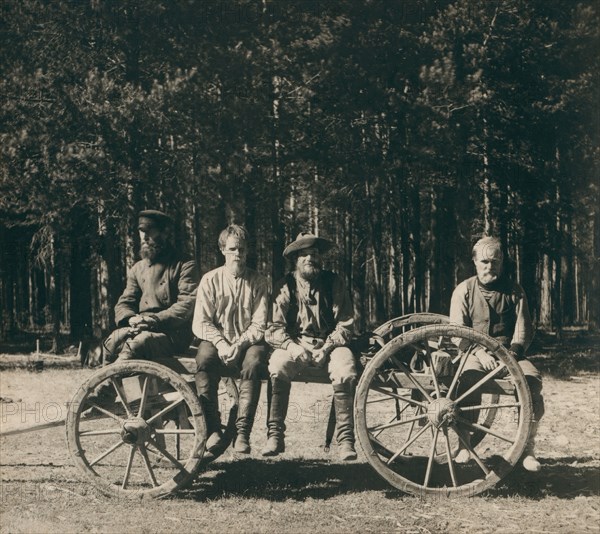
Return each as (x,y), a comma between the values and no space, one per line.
(55,292)
(80,279)
(419,258)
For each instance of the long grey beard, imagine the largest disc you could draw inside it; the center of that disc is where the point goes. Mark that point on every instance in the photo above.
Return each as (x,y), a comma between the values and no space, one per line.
(310,274)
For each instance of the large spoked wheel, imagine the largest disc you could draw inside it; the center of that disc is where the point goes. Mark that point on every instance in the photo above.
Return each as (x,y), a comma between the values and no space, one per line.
(400,325)
(428,430)
(136,429)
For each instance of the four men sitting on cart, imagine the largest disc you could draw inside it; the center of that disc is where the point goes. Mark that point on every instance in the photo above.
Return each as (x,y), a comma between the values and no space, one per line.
(309,322)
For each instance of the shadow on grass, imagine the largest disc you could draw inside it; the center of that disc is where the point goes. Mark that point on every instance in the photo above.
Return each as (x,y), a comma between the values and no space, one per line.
(284,479)
(558,478)
(576,352)
(299,480)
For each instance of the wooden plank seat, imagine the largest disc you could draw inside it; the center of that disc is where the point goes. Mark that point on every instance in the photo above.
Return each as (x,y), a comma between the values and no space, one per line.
(186,366)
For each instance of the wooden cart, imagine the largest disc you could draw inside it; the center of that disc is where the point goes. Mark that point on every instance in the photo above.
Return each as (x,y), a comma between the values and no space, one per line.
(409,417)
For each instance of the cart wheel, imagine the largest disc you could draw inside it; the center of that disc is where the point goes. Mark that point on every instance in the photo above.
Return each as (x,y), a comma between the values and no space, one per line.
(399,325)
(227,401)
(142,435)
(228,408)
(411,422)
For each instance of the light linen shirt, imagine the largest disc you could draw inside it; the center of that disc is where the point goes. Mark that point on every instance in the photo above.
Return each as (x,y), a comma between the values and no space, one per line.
(231,308)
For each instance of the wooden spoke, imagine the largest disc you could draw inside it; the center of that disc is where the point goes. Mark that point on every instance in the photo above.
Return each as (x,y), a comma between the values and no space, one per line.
(484,429)
(474,455)
(436,431)
(400,397)
(433,373)
(459,371)
(396,423)
(485,379)
(176,431)
(395,417)
(432,433)
(118,389)
(449,457)
(107,413)
(128,467)
(408,373)
(106,453)
(378,433)
(152,451)
(380,399)
(168,455)
(144,454)
(100,432)
(410,431)
(407,445)
(489,406)
(165,410)
(144,399)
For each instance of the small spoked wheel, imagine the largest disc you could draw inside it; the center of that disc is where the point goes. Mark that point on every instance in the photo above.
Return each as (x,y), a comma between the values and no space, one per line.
(136,429)
(442,427)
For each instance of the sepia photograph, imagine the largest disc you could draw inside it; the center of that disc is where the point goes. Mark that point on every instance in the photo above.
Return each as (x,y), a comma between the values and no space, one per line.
(299,266)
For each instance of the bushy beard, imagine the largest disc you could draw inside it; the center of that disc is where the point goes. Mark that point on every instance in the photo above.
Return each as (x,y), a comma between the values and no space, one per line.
(152,249)
(309,272)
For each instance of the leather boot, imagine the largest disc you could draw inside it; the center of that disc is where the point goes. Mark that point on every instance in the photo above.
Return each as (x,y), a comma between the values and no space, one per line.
(207,385)
(530,462)
(343,398)
(280,397)
(248,401)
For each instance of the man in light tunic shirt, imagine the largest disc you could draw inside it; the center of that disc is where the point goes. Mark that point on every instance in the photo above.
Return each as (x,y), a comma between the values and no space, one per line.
(230,319)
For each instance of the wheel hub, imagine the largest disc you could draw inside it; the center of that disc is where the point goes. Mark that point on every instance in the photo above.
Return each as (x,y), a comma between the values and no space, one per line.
(135,431)
(441,412)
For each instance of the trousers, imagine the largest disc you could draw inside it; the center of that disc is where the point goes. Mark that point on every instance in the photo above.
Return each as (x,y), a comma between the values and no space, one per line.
(341,366)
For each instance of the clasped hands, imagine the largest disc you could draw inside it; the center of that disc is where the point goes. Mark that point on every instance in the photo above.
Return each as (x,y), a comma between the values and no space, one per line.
(229,354)
(315,357)
(139,323)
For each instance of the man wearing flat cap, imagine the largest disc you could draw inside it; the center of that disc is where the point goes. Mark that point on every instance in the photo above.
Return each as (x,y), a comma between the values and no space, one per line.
(154,313)
(312,324)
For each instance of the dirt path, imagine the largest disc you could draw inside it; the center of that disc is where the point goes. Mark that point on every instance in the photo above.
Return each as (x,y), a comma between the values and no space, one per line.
(306,490)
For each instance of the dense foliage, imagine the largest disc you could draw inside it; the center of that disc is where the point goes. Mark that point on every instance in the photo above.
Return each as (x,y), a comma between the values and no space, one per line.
(401,129)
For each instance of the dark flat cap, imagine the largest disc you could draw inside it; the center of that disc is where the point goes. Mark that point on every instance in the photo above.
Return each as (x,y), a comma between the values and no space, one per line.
(306,240)
(157,218)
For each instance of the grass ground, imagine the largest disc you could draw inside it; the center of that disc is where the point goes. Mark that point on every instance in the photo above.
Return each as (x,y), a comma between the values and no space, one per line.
(305,489)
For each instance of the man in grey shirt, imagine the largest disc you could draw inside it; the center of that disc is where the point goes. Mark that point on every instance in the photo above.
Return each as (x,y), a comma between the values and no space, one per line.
(492,303)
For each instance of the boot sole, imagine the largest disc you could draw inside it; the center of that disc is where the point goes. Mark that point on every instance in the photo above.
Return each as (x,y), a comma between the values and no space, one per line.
(272,453)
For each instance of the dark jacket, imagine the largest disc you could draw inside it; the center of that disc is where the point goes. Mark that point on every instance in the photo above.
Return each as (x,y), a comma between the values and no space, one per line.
(165,289)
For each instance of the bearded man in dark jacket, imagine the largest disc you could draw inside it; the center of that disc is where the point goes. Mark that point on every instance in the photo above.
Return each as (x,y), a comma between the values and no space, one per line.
(154,313)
